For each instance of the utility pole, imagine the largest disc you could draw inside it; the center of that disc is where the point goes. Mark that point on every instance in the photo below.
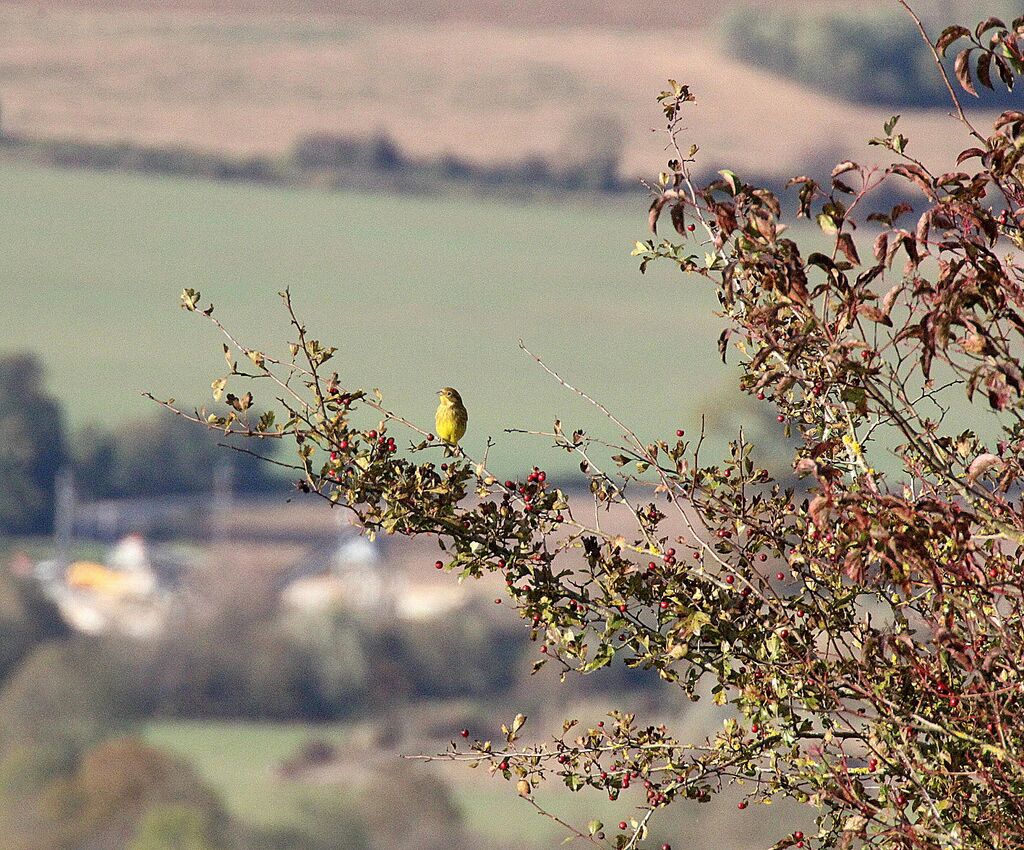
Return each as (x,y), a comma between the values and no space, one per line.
(223,498)
(64,516)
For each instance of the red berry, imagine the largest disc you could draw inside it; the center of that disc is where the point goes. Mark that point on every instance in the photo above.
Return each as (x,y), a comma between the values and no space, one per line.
(438,565)
(464,733)
(372,435)
(622,824)
(430,438)
(679,432)
(503,766)
(741,805)
(760,396)
(664,604)
(730,579)
(781,418)
(780,576)
(798,835)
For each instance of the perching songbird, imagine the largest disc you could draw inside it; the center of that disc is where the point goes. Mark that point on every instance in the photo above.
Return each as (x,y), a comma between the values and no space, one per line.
(451,417)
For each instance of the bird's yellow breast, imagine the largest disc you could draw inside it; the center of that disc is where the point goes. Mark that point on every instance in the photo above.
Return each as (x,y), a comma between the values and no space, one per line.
(451,422)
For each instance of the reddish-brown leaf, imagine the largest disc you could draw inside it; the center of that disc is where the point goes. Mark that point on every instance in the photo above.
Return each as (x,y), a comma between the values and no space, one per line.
(962,68)
(846,245)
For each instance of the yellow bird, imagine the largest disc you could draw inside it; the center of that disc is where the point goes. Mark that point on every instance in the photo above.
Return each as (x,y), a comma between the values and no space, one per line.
(451,417)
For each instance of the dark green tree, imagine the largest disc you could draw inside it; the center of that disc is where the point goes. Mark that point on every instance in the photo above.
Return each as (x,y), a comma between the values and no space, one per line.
(154,457)
(32,446)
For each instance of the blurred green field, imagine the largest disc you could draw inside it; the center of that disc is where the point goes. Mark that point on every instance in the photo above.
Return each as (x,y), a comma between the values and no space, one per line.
(239,761)
(416,293)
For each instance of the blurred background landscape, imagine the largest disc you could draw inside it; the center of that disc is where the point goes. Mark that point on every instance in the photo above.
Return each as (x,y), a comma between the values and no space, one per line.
(191,656)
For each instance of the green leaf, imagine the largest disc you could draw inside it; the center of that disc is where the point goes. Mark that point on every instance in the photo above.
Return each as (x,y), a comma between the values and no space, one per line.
(693,623)
(827,223)
(603,657)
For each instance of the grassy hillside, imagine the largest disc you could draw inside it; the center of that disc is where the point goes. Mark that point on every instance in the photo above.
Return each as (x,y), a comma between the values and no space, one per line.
(417,293)
(538,13)
(483,90)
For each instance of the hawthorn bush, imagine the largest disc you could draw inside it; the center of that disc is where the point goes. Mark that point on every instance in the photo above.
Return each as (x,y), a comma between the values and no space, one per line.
(864,634)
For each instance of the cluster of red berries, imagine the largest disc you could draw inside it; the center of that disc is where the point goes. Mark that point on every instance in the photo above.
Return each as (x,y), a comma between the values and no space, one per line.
(385,443)
(655,797)
(534,485)
(342,397)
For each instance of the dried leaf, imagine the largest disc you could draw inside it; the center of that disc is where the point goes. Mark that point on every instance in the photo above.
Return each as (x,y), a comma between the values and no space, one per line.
(962,68)
(845,244)
(950,35)
(980,465)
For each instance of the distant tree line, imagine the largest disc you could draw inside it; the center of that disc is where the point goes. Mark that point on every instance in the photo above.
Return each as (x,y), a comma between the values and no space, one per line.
(338,161)
(864,55)
(150,457)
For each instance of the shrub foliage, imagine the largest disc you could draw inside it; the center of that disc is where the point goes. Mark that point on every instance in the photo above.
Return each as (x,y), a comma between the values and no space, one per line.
(863,632)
